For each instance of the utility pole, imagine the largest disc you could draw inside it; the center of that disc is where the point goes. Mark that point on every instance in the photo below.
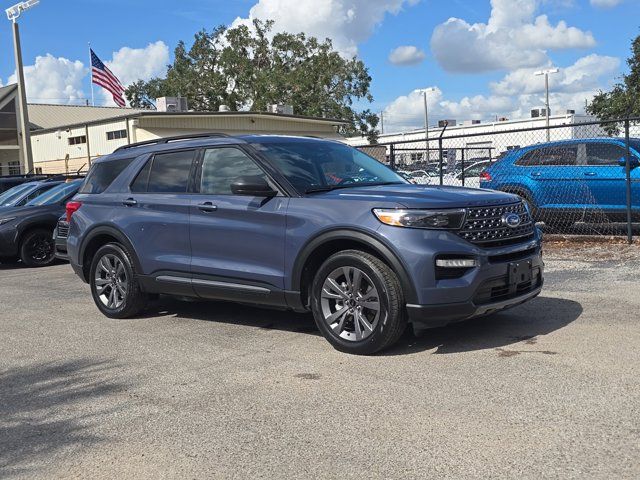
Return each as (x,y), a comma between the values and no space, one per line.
(426,120)
(12,14)
(546,74)
(382,122)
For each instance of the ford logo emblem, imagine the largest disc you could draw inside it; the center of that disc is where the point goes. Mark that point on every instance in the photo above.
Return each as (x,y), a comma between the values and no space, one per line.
(511,220)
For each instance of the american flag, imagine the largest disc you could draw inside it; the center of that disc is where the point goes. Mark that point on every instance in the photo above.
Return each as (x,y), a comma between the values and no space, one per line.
(101,75)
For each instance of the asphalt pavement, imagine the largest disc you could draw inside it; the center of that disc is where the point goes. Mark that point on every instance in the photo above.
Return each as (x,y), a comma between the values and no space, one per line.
(214,390)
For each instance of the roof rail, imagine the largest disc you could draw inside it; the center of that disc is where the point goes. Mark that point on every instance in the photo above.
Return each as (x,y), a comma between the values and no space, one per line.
(161,141)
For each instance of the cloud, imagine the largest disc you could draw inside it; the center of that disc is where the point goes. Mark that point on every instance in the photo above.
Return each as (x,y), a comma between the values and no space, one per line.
(133,64)
(346,22)
(406,55)
(53,80)
(513,96)
(60,80)
(512,38)
(606,3)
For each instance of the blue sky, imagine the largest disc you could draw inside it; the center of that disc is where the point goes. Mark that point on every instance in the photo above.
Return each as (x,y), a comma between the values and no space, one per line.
(480,64)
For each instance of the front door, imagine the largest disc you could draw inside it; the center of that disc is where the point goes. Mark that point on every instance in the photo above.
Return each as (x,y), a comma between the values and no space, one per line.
(237,241)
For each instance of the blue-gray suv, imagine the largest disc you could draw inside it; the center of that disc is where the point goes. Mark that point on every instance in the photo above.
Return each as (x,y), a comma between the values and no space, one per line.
(301,224)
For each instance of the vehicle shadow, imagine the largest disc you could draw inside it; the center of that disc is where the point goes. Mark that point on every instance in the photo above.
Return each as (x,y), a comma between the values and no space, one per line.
(521,325)
(43,409)
(232,313)
(525,323)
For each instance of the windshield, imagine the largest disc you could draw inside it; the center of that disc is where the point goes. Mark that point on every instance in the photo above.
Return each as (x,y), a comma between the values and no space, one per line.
(15,193)
(310,165)
(56,194)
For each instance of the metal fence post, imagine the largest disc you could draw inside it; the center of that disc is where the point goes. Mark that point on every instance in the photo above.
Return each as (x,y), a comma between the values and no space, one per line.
(446,124)
(462,165)
(392,156)
(628,172)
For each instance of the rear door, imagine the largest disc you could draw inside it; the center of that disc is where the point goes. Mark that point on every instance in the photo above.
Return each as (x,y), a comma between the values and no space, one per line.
(237,241)
(155,214)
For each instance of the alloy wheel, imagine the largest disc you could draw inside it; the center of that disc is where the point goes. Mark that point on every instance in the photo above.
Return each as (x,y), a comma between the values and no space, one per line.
(40,248)
(111,281)
(350,304)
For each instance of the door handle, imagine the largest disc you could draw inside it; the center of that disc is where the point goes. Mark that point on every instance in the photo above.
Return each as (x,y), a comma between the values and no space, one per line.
(590,174)
(207,207)
(536,174)
(129,202)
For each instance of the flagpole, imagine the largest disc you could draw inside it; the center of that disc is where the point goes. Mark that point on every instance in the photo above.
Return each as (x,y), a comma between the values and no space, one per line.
(93,102)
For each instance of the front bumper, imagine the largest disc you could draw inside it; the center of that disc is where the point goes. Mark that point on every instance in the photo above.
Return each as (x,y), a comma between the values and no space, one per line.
(8,241)
(432,316)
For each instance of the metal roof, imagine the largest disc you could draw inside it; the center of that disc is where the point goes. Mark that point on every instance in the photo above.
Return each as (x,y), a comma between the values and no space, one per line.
(7,90)
(43,116)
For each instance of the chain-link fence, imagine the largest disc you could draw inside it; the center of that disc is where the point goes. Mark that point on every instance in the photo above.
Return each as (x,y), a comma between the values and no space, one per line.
(581,178)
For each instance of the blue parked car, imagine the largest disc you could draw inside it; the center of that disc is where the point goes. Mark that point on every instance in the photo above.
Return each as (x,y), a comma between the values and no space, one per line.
(22,194)
(572,180)
(302,224)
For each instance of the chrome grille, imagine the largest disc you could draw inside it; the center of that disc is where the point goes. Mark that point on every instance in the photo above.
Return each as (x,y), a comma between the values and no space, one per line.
(63,229)
(484,226)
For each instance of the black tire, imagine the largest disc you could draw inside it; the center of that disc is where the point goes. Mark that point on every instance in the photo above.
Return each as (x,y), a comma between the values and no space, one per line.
(129,298)
(37,248)
(386,327)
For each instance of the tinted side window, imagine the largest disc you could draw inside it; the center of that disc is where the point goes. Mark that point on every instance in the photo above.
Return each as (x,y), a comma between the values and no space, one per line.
(221,166)
(604,153)
(103,174)
(170,172)
(139,185)
(550,156)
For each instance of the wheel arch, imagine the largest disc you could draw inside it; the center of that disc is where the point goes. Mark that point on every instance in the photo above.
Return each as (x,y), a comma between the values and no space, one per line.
(318,249)
(99,236)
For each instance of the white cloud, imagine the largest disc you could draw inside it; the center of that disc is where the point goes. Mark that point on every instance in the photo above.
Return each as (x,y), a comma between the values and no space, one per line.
(512,38)
(606,3)
(53,80)
(60,80)
(132,64)
(406,55)
(513,96)
(346,22)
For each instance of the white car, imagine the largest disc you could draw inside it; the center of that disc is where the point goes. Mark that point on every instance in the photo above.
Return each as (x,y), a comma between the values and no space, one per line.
(420,177)
(471,175)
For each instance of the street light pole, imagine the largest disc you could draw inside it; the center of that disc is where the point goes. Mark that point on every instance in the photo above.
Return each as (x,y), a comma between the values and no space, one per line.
(546,74)
(12,14)
(426,119)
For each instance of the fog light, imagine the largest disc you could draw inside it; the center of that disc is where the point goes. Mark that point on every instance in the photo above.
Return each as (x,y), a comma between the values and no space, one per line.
(456,262)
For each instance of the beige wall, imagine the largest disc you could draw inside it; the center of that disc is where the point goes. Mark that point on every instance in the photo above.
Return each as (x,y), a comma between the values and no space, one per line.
(53,154)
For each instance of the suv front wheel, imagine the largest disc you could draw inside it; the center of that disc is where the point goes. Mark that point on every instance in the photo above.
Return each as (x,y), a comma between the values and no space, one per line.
(114,287)
(357,303)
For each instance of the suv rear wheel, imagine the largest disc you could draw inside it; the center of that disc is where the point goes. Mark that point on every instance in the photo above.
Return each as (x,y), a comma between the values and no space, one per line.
(357,303)
(37,248)
(114,287)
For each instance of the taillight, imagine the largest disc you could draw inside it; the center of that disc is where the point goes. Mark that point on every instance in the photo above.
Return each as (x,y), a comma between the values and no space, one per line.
(485,177)
(72,207)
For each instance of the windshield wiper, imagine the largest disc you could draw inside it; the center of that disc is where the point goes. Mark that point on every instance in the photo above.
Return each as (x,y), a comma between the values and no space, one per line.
(329,188)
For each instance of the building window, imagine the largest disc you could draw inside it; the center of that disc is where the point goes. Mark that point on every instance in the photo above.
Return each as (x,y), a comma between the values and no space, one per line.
(14,168)
(38,170)
(116,135)
(78,140)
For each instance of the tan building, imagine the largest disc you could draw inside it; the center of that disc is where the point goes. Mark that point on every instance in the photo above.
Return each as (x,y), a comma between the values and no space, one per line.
(65,138)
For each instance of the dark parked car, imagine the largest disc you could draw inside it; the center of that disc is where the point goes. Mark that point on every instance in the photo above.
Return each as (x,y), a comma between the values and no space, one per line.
(26,232)
(288,222)
(60,234)
(572,180)
(10,181)
(22,194)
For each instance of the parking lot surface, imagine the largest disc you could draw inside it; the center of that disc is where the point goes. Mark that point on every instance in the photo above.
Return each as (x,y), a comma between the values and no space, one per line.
(215,390)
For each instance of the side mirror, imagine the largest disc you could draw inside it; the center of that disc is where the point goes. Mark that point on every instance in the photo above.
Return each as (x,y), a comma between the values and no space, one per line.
(634,162)
(254,186)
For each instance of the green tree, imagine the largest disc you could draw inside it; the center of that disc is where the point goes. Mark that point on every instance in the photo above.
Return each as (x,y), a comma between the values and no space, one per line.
(249,69)
(624,99)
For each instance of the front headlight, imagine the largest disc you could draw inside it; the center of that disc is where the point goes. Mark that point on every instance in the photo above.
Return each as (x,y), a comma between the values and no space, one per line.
(6,220)
(450,219)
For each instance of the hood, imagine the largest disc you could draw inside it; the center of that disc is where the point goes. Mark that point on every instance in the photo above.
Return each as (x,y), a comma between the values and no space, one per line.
(25,211)
(424,196)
